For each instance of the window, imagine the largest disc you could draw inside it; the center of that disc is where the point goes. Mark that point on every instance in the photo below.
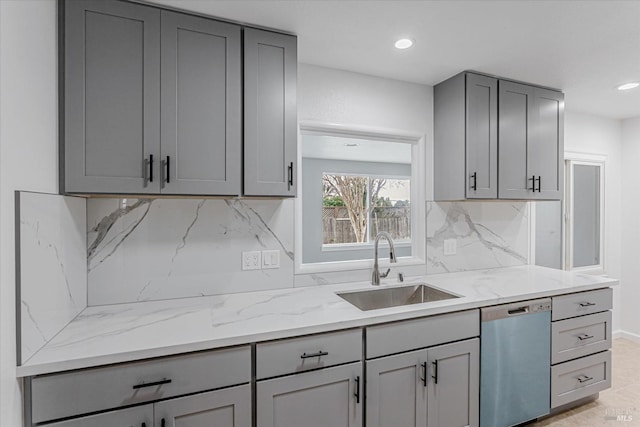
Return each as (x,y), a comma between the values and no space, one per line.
(584,213)
(355,185)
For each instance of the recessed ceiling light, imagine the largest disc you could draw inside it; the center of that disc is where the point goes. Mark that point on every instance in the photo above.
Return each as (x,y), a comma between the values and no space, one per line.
(628,86)
(404,44)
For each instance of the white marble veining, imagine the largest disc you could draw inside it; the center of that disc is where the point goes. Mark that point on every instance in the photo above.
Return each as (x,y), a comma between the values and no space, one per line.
(489,235)
(52,268)
(146,250)
(124,332)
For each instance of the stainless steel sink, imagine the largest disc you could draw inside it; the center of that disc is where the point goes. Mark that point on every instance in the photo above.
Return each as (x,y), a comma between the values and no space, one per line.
(395,296)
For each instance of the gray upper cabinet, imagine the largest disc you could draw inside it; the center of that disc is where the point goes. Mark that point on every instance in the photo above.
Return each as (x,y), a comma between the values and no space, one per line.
(201,106)
(153,104)
(497,139)
(270,114)
(466,138)
(531,142)
(111,97)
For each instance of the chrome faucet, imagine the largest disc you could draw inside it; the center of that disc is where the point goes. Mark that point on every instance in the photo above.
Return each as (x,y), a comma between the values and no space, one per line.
(375,278)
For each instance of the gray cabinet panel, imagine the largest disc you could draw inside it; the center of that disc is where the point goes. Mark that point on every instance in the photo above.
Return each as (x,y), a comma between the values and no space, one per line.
(397,391)
(201,106)
(112,82)
(130,417)
(270,114)
(516,101)
(482,137)
(546,155)
(454,384)
(326,397)
(222,408)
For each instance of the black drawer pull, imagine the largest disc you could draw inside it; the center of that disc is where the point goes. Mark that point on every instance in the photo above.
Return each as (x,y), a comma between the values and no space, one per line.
(424,370)
(474,175)
(357,393)
(144,425)
(162,424)
(584,379)
(318,354)
(150,167)
(583,337)
(587,304)
(143,385)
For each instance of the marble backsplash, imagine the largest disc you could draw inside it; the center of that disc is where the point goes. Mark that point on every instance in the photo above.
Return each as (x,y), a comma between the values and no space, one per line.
(488,235)
(51,270)
(143,249)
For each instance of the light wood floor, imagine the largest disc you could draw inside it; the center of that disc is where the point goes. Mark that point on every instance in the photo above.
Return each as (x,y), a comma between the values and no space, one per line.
(623,396)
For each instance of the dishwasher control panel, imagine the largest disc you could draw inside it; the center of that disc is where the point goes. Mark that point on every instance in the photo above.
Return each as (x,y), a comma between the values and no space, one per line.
(540,306)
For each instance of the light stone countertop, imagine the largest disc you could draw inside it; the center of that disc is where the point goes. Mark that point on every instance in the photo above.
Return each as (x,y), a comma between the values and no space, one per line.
(126,332)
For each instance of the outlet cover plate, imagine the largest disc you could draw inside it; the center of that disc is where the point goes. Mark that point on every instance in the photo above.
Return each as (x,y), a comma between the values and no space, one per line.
(450,246)
(270,259)
(251,260)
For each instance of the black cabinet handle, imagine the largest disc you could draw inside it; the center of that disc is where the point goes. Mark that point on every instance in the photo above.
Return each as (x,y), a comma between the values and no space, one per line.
(155,383)
(435,372)
(150,167)
(533,183)
(584,378)
(357,393)
(587,304)
(474,175)
(539,179)
(168,169)
(424,371)
(162,423)
(583,337)
(318,354)
(290,176)
(144,425)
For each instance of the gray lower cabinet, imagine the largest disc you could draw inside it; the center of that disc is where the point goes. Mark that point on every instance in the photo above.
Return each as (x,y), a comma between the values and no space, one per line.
(326,397)
(222,408)
(139,416)
(435,387)
(270,113)
(531,148)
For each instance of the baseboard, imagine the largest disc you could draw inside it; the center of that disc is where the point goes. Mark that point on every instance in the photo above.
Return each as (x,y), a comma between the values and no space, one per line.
(626,335)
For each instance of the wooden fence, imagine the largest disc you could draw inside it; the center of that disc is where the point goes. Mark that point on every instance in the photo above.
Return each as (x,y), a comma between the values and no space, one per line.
(336,226)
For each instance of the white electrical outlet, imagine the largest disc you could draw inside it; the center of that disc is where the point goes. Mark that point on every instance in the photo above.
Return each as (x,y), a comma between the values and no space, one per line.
(450,246)
(251,260)
(270,259)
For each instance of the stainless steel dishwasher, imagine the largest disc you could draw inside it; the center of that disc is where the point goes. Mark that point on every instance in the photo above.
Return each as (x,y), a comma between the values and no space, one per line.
(515,363)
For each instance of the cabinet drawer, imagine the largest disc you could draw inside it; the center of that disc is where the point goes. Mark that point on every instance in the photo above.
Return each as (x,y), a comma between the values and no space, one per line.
(580,378)
(63,395)
(130,417)
(306,353)
(581,303)
(408,335)
(581,336)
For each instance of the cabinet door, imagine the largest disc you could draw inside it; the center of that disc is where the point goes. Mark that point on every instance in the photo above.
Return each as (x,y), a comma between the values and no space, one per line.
(222,408)
(454,385)
(515,107)
(327,397)
(397,390)
(270,114)
(111,97)
(201,106)
(546,153)
(139,416)
(482,137)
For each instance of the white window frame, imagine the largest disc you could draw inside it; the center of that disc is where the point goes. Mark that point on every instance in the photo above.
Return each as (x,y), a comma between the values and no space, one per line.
(418,196)
(571,159)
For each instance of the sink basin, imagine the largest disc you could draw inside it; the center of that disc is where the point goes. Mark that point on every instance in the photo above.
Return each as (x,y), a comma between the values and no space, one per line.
(394,297)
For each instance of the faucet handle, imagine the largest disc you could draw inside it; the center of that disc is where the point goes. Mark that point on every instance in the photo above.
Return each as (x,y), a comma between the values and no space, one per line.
(385,274)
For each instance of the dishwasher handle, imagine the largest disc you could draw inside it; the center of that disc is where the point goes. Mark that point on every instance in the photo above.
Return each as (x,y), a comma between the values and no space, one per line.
(518,310)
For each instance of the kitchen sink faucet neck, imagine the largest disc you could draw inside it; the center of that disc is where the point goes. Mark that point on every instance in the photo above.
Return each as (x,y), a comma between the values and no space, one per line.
(375,277)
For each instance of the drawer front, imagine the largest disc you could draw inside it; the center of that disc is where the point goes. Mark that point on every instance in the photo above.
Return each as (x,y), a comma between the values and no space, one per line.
(581,336)
(408,335)
(63,395)
(580,378)
(579,304)
(130,417)
(309,352)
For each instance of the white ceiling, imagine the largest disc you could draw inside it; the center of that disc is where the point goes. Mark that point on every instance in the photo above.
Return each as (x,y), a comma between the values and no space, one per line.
(585,48)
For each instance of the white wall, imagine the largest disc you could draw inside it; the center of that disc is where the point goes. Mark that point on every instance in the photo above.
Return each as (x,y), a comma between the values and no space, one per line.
(28,152)
(631,220)
(586,133)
